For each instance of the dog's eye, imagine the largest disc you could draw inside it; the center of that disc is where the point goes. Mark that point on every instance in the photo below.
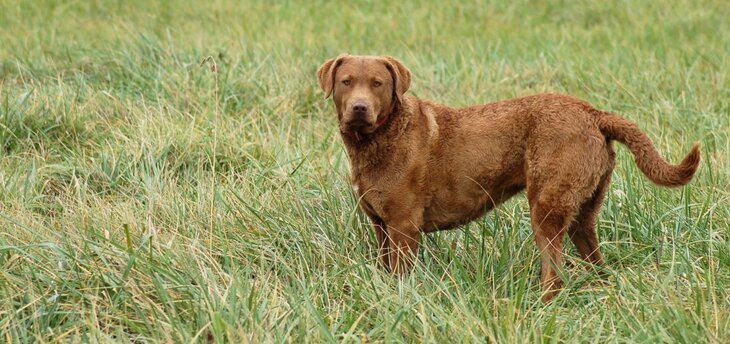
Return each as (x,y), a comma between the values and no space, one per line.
(346,82)
(377,83)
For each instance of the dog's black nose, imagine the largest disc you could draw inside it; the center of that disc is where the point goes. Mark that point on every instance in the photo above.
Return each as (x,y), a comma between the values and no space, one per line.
(360,108)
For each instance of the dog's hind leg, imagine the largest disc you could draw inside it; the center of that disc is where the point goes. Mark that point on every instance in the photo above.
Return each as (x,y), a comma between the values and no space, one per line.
(549,224)
(583,231)
(560,178)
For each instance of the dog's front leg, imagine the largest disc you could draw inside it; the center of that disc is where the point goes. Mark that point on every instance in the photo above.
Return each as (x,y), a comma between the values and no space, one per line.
(382,235)
(381,232)
(404,236)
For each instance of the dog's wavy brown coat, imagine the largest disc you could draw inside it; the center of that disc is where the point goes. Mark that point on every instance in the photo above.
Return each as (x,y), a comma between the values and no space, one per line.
(419,166)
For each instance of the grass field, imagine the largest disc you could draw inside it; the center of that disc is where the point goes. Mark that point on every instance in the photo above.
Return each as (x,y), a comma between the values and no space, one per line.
(146,197)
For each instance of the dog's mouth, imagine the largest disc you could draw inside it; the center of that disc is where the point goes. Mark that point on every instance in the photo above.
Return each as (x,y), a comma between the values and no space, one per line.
(360,126)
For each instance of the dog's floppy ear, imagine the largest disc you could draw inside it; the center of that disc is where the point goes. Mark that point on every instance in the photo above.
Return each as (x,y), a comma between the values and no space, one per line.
(401,76)
(326,74)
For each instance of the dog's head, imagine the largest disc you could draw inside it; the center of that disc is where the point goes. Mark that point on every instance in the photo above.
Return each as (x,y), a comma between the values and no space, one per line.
(366,89)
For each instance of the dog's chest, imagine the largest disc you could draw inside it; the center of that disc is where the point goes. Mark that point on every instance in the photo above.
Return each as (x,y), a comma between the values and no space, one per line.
(369,199)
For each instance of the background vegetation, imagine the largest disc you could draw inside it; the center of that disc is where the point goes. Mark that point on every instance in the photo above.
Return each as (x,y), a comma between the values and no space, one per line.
(145,197)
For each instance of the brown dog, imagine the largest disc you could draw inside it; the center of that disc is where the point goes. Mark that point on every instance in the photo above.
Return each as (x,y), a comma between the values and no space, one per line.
(419,166)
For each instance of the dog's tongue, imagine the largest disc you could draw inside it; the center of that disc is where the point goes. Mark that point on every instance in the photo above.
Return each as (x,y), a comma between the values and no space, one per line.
(353,134)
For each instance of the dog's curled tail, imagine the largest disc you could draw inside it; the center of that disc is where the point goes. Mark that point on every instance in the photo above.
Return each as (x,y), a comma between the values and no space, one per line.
(646,156)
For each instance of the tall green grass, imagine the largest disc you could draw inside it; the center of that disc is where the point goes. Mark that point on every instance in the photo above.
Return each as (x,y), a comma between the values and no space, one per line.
(148,197)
